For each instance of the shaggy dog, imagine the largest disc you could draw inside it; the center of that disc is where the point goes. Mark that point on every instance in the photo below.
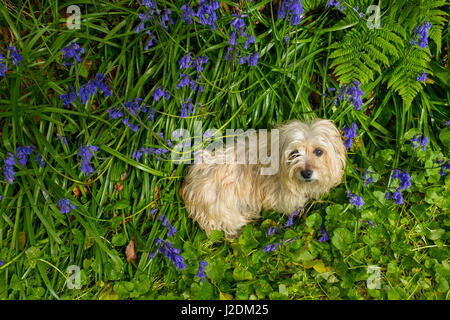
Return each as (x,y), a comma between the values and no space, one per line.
(225,195)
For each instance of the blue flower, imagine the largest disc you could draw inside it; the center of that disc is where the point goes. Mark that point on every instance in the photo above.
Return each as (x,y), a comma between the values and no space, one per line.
(252,59)
(201,269)
(22,153)
(186,108)
(2,66)
(397,197)
(86,153)
(130,126)
(62,138)
(65,206)
(367,179)
(422,34)
(71,51)
(38,160)
(420,140)
(355,200)
(68,97)
(158,93)
(15,56)
(349,134)
(422,77)
(114,113)
(171,253)
(187,13)
(291,8)
(150,40)
(324,235)
(8,171)
(356,94)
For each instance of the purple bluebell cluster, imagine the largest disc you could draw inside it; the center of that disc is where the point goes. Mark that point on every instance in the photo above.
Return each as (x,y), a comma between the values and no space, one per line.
(72,51)
(367,176)
(39,161)
(136,155)
(91,87)
(153,13)
(170,252)
(360,14)
(420,35)
(201,270)
(10,159)
(337,4)
(186,62)
(2,66)
(291,9)
(14,55)
(160,93)
(86,153)
(239,31)
(422,77)
(355,200)
(349,133)
(186,109)
(351,92)
(404,182)
(65,206)
(68,97)
(170,229)
(206,13)
(8,170)
(444,166)
(289,222)
(273,246)
(419,140)
(323,235)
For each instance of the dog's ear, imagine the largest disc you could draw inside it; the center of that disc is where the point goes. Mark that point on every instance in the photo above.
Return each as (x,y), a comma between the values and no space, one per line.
(336,149)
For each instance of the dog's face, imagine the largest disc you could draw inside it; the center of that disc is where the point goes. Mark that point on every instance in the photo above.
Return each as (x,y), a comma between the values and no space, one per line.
(312,154)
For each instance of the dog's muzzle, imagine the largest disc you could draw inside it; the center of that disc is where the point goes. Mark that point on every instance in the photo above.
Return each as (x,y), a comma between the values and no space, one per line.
(306,174)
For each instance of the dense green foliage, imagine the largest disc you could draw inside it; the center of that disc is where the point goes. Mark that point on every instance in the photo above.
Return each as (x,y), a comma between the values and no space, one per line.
(407,247)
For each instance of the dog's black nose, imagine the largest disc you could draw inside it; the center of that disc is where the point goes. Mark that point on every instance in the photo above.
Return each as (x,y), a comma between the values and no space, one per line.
(306,174)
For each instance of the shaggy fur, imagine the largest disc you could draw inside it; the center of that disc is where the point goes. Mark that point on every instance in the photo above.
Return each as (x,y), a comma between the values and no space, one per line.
(228,196)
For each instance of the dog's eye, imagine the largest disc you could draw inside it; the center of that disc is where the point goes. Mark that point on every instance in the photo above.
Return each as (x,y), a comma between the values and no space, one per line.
(318,152)
(294,154)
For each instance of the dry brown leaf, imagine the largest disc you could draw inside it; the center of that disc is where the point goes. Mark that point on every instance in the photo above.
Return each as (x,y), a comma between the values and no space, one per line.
(22,240)
(129,251)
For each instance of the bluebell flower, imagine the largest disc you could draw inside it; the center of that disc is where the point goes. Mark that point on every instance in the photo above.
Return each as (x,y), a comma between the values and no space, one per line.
(397,197)
(272,246)
(68,97)
(8,170)
(115,113)
(252,59)
(422,77)
(86,153)
(2,66)
(444,166)
(187,13)
(15,56)
(151,115)
(150,40)
(349,134)
(171,253)
(65,206)
(22,154)
(422,34)
(141,26)
(186,108)
(130,126)
(292,8)
(72,51)
(356,94)
(206,13)
(98,84)
(420,140)
(271,230)
(165,18)
(136,155)
(83,94)
(39,160)
(355,200)
(324,235)
(158,93)
(62,138)
(201,269)
(184,81)
(404,179)
(289,222)
(367,179)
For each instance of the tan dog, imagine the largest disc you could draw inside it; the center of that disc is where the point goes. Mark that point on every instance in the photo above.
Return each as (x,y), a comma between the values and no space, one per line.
(226,195)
